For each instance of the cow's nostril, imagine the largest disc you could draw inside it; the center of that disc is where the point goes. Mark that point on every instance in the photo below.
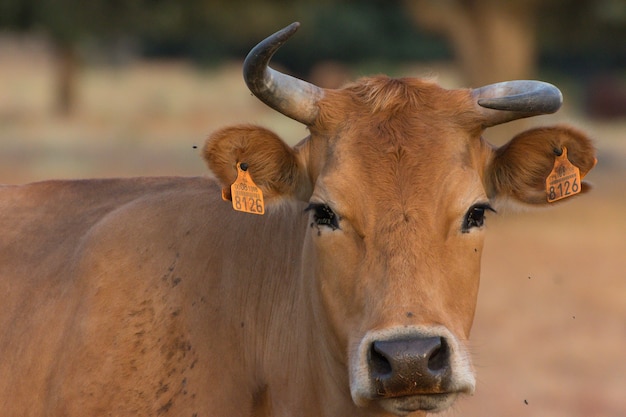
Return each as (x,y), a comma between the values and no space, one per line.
(379,364)
(439,357)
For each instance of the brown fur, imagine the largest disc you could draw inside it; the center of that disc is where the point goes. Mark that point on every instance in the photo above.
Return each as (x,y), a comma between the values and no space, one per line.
(389,97)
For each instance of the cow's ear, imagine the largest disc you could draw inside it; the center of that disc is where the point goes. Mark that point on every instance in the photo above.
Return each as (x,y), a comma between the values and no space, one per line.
(271,163)
(518,170)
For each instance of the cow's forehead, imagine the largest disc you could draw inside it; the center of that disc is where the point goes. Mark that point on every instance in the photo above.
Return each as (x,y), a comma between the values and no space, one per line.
(400,125)
(398,107)
(405,144)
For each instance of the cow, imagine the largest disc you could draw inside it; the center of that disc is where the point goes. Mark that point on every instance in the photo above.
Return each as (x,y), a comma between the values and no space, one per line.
(352,294)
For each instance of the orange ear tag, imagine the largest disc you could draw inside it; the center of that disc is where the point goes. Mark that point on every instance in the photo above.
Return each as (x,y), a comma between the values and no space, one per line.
(246,195)
(564,180)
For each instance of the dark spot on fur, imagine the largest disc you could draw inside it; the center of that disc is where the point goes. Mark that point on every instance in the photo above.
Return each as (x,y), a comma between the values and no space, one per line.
(165,407)
(163,388)
(409,314)
(176,281)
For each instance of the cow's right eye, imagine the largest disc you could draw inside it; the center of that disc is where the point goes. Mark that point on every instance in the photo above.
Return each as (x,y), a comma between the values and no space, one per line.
(475,216)
(323,215)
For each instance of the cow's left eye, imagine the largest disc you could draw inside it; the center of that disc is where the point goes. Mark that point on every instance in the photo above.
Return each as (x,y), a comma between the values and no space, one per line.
(323,215)
(475,216)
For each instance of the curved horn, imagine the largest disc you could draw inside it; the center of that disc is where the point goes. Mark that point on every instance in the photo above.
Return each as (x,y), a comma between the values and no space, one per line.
(511,100)
(290,96)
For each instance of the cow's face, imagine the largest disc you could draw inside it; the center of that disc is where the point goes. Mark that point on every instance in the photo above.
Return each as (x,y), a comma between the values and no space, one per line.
(397,216)
(398,183)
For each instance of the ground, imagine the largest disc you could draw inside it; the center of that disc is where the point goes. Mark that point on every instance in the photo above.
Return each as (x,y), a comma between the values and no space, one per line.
(549,337)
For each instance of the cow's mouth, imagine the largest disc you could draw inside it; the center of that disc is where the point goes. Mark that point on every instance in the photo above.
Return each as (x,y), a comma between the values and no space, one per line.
(432,403)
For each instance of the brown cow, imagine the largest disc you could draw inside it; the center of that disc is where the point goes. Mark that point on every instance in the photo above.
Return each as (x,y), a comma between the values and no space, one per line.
(353,294)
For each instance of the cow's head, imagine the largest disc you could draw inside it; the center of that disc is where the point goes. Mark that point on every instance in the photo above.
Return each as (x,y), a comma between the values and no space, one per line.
(398,182)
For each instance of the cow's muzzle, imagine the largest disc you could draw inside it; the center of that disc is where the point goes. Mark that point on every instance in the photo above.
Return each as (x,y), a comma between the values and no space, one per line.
(417,365)
(409,369)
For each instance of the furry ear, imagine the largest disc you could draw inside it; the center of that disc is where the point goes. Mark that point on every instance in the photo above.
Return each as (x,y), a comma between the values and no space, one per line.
(519,169)
(272,164)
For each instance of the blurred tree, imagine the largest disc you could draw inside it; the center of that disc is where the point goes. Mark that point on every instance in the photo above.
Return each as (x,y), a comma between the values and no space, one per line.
(66,22)
(493,40)
(584,36)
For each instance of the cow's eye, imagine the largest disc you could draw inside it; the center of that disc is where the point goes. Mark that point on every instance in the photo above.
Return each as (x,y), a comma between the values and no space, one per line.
(323,215)
(475,216)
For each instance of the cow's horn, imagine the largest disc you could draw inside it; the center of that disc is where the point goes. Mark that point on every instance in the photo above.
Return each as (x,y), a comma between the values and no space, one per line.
(289,95)
(511,100)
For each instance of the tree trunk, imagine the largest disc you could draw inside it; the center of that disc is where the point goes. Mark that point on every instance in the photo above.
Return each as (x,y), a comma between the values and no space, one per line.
(492,40)
(66,79)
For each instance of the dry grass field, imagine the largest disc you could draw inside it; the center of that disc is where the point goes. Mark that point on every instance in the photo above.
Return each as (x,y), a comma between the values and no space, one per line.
(550,332)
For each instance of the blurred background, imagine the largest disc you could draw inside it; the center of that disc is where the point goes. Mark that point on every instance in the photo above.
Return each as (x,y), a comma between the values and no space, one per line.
(123,88)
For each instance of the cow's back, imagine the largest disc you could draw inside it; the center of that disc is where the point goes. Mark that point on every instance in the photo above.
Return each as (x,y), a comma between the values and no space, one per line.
(115,292)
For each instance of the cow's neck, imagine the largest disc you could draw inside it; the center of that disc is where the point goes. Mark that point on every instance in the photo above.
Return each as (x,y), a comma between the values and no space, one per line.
(297,360)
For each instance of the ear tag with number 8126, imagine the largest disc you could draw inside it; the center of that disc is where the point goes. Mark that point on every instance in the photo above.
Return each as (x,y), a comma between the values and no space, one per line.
(246,195)
(564,180)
